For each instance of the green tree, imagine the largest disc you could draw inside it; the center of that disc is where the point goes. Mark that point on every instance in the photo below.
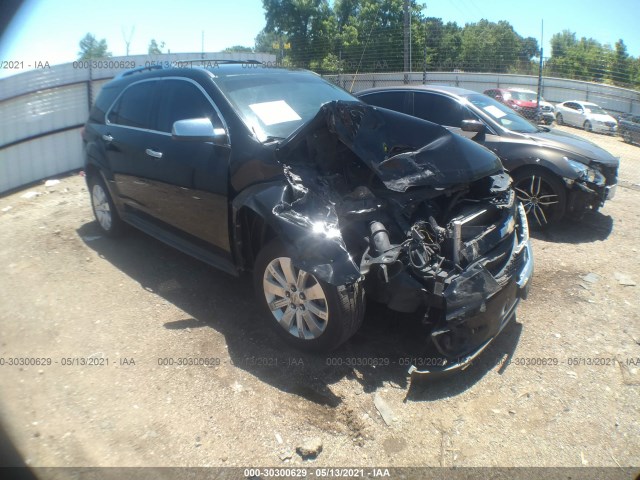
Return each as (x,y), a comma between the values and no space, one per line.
(303,22)
(239,49)
(154,48)
(90,48)
(621,71)
(269,42)
(490,47)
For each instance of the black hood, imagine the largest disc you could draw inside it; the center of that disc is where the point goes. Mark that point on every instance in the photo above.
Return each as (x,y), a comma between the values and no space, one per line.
(403,151)
(572,143)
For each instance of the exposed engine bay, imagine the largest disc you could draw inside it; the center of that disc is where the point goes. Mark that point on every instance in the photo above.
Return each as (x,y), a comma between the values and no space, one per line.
(433,228)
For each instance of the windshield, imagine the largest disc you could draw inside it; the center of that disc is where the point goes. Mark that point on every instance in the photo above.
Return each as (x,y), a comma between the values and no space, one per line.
(595,109)
(273,105)
(526,96)
(502,114)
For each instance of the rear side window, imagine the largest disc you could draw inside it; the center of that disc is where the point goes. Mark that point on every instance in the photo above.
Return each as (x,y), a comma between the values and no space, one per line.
(391,100)
(440,109)
(133,108)
(102,104)
(182,100)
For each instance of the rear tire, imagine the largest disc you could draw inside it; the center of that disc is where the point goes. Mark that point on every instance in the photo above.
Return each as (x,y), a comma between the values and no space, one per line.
(559,120)
(626,136)
(305,311)
(103,208)
(587,126)
(542,194)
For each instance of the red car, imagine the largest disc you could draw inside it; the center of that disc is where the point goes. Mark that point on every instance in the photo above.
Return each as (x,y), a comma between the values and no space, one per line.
(524,102)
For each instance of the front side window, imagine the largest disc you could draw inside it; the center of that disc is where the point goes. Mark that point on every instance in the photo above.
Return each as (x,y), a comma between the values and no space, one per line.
(183,100)
(133,108)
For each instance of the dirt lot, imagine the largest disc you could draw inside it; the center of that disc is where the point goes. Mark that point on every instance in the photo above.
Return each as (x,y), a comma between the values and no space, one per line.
(569,396)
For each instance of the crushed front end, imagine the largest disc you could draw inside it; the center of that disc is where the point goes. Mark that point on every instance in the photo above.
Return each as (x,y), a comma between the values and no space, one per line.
(429,220)
(595,183)
(467,271)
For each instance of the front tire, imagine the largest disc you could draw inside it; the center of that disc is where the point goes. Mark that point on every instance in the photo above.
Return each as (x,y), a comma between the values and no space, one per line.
(587,126)
(542,194)
(559,120)
(626,136)
(305,311)
(103,208)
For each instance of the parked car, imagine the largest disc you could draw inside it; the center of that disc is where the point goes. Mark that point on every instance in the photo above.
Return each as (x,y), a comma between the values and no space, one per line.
(323,198)
(554,173)
(525,102)
(629,129)
(585,115)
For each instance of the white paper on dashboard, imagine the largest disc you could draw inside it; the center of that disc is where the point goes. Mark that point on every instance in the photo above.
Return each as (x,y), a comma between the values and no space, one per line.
(271,113)
(495,111)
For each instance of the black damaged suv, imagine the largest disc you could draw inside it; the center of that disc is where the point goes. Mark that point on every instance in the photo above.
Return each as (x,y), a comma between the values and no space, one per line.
(324,198)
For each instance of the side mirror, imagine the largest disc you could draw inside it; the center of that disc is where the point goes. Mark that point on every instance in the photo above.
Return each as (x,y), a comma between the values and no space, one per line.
(197,129)
(474,126)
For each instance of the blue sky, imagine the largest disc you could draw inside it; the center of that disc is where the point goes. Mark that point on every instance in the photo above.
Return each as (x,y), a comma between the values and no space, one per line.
(49,30)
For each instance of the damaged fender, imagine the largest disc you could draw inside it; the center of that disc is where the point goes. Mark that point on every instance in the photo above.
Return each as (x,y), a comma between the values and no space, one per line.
(316,247)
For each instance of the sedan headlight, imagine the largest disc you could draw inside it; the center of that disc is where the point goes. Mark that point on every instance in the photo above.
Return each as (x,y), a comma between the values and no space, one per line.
(586,173)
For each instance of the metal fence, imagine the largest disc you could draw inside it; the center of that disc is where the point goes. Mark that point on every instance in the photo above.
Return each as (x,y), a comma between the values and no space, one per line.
(613,99)
(42,111)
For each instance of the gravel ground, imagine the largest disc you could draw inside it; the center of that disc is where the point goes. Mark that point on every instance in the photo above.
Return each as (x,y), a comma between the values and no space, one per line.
(559,387)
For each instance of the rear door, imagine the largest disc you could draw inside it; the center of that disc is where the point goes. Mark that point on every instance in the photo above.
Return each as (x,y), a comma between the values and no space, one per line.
(130,128)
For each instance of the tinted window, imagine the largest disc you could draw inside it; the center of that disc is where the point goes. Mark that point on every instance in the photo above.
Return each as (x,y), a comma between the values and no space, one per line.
(182,100)
(133,109)
(439,109)
(391,100)
(103,102)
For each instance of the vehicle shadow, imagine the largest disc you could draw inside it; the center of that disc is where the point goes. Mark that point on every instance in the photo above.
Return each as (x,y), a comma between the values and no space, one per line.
(379,353)
(593,227)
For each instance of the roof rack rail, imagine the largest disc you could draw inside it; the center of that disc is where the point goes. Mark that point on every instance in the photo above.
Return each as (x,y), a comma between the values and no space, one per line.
(217,60)
(126,73)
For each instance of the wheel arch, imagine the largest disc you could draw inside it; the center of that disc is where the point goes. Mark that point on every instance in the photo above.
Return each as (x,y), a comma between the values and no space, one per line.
(255,222)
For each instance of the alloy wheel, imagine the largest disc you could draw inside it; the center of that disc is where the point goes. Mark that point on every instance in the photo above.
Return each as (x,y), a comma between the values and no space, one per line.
(296,299)
(101,207)
(538,197)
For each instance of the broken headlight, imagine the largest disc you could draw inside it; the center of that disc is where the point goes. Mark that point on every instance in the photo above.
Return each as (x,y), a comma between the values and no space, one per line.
(586,173)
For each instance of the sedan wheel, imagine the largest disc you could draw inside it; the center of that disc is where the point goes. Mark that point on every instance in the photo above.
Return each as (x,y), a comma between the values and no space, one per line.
(626,136)
(542,195)
(559,120)
(302,309)
(587,126)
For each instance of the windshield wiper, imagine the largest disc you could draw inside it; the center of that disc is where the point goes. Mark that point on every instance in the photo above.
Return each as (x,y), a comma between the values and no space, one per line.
(271,138)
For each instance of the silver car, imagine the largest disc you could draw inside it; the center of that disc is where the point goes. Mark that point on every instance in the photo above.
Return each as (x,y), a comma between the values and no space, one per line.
(585,115)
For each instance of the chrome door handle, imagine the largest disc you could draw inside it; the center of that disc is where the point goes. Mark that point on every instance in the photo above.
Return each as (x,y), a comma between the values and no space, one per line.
(153,153)
(107,138)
